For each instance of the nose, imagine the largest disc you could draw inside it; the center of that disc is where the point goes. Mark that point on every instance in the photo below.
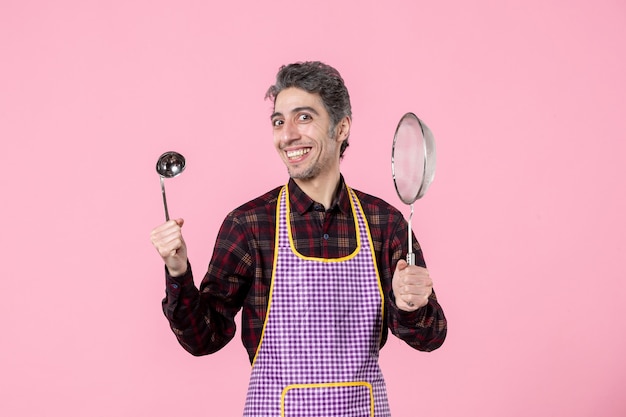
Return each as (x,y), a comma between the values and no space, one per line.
(289,132)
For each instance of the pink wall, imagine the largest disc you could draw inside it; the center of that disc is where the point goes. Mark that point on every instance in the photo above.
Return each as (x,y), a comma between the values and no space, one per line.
(523,228)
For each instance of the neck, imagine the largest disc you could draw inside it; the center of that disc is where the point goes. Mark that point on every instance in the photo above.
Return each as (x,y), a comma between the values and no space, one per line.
(321,190)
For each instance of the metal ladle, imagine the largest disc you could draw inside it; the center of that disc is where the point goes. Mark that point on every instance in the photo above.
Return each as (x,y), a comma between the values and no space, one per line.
(170,164)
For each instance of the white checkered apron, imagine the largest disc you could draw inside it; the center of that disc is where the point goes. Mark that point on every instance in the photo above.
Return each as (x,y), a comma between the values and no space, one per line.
(318,355)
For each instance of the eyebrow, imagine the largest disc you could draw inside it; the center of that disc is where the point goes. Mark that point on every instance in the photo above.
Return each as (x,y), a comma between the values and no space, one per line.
(296,110)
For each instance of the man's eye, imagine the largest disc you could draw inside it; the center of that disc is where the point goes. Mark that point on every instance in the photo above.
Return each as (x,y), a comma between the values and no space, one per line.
(304,117)
(277,122)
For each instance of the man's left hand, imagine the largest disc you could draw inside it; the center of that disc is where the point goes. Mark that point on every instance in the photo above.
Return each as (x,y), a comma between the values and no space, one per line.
(411,286)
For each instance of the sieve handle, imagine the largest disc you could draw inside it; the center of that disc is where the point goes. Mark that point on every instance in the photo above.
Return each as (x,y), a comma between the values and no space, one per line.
(410,256)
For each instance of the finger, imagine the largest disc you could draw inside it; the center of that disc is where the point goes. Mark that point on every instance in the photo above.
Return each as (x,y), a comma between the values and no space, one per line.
(414,302)
(419,297)
(173,232)
(172,240)
(163,228)
(415,288)
(171,245)
(168,241)
(414,274)
(417,281)
(401,265)
(407,303)
(416,270)
(166,229)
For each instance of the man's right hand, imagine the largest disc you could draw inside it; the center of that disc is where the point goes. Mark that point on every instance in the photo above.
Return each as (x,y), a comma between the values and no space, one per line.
(168,241)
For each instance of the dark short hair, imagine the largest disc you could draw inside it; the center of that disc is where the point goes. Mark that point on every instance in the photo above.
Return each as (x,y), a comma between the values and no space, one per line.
(317,78)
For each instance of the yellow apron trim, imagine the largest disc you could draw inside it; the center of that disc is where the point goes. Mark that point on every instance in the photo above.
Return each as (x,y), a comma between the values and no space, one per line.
(269,300)
(328,385)
(380,287)
(310,258)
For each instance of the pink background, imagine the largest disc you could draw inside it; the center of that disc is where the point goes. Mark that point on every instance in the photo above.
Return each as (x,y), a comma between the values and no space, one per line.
(523,229)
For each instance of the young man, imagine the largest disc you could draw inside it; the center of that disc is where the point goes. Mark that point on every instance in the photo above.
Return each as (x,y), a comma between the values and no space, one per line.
(317,267)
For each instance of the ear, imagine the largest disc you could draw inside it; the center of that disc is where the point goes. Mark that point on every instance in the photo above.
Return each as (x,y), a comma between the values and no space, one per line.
(343,128)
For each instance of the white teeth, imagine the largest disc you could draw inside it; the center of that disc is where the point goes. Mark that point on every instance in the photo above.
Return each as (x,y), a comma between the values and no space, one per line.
(297,153)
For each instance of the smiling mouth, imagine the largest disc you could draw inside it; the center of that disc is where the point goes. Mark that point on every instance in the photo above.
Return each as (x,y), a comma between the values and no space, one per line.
(297,153)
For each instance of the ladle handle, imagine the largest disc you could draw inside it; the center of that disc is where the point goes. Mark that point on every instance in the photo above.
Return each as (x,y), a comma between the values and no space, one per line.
(167,214)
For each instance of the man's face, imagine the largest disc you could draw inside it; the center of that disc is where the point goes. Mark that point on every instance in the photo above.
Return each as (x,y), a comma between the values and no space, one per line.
(301,134)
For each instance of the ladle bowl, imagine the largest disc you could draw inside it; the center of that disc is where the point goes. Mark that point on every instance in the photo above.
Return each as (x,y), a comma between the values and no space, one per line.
(170,164)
